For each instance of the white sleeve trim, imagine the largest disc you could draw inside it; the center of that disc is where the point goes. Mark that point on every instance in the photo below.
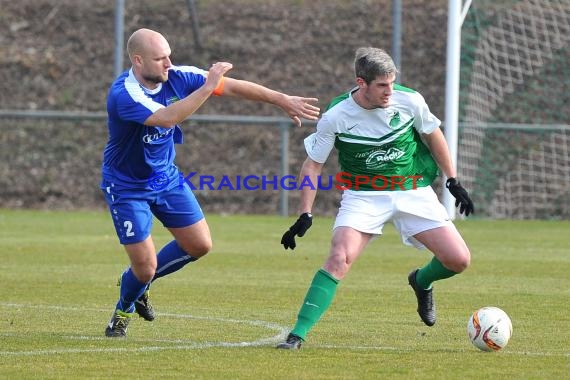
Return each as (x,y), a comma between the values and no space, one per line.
(138,95)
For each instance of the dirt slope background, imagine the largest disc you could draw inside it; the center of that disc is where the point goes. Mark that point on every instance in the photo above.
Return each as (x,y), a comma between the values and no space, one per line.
(58,55)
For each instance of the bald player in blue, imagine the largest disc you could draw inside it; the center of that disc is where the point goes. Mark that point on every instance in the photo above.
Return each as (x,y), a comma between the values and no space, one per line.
(145,106)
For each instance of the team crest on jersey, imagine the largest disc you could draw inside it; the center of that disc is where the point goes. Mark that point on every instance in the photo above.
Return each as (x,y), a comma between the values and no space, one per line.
(394,119)
(172,99)
(379,158)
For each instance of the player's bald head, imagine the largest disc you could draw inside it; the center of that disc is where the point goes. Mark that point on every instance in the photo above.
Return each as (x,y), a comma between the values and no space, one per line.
(146,42)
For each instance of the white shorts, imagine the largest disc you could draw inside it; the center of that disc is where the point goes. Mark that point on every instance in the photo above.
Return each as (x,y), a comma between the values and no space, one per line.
(411,212)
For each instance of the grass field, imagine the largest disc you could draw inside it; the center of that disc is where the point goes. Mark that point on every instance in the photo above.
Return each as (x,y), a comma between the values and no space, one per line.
(220,317)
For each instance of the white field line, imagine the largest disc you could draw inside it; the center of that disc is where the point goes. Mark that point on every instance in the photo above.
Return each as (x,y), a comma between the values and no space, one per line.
(177,344)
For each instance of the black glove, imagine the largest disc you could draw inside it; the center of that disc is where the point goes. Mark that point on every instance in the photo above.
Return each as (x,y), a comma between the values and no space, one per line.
(299,228)
(461,196)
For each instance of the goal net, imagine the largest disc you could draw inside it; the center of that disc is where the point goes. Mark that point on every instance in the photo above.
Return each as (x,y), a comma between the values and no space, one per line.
(514,132)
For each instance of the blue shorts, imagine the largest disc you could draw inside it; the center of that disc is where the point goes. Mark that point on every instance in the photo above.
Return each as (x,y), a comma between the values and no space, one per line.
(132,210)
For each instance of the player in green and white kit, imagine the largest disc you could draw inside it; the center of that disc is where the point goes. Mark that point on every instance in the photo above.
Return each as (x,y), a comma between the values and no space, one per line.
(390,150)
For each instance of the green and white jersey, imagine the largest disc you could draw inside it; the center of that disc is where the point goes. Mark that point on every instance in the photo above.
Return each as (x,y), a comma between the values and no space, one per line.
(378,149)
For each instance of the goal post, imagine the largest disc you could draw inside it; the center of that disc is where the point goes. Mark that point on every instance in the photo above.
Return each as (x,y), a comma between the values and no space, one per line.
(454,21)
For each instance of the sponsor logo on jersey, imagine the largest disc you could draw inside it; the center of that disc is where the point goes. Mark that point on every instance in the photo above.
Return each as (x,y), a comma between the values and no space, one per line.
(379,158)
(160,133)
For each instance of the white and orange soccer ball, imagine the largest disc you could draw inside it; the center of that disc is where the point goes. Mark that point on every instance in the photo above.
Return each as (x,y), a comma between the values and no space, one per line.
(489,328)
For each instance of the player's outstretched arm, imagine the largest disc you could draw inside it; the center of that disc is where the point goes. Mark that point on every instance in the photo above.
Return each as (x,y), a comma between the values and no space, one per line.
(296,107)
(179,111)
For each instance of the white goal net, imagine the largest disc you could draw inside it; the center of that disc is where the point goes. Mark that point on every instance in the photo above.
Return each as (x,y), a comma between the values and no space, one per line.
(514,136)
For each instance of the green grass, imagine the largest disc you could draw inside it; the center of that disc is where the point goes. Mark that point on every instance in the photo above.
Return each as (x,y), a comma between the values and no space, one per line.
(219,318)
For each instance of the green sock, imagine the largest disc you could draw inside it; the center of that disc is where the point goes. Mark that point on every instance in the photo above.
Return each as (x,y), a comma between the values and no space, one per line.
(317,301)
(433,271)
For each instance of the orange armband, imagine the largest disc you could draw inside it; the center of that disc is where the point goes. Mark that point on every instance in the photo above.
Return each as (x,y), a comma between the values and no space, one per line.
(219,90)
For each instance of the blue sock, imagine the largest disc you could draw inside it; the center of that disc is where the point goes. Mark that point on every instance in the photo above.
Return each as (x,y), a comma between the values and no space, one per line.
(131,290)
(170,259)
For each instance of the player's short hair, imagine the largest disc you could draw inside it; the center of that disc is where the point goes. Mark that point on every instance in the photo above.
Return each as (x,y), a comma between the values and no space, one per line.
(370,63)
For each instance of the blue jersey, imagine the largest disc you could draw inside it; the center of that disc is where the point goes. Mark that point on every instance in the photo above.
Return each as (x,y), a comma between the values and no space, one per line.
(135,153)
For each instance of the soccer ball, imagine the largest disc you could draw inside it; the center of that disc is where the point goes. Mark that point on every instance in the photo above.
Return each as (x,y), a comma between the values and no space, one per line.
(489,329)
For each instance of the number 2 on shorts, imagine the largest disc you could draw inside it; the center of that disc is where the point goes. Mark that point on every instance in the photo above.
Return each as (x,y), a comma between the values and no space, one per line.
(129,226)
